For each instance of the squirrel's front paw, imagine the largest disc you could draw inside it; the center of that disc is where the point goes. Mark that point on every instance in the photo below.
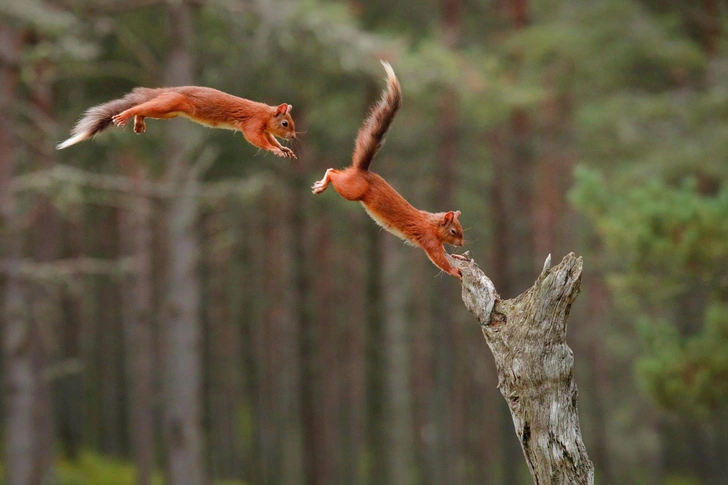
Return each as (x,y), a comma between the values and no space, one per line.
(287,152)
(284,152)
(119,121)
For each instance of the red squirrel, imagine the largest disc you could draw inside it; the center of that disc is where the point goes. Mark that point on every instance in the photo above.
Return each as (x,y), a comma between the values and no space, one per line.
(259,122)
(389,209)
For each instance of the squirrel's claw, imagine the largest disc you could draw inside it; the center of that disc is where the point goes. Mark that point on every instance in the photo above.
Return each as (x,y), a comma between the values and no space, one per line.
(118,121)
(285,153)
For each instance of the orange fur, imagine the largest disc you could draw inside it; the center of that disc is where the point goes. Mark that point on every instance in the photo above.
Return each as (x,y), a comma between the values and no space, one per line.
(385,205)
(259,122)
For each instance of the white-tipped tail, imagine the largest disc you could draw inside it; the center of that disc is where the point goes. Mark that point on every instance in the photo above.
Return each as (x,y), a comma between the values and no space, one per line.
(72,141)
(388,69)
(372,131)
(97,119)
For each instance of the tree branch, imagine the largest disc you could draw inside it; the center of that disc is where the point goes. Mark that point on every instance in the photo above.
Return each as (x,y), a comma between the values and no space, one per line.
(527,336)
(46,181)
(67,269)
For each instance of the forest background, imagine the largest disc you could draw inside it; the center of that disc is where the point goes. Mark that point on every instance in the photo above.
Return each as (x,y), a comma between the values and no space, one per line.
(178,304)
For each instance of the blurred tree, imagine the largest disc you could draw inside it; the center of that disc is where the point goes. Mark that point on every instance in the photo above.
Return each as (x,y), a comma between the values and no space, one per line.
(181,327)
(675,234)
(135,239)
(447,166)
(306,310)
(26,444)
(654,181)
(398,382)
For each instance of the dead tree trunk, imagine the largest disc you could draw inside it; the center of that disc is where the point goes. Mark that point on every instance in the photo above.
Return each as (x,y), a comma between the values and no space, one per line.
(527,336)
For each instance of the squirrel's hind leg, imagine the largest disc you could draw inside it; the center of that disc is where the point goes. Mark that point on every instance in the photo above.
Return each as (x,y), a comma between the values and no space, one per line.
(321,185)
(164,106)
(351,184)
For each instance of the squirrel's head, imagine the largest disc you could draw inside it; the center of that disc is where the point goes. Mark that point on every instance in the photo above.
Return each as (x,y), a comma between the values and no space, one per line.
(451,232)
(281,124)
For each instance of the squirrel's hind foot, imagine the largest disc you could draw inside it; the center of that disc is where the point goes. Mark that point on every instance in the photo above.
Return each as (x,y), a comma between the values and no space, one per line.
(119,120)
(319,186)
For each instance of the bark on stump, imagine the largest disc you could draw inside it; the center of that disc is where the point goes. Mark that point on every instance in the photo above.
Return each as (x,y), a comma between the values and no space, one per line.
(527,336)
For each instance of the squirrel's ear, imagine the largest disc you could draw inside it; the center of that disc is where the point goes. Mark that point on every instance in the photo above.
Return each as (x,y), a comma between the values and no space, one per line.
(456,215)
(290,107)
(448,218)
(281,110)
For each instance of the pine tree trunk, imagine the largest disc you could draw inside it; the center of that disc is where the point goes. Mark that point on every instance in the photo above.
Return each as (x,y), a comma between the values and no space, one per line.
(24,388)
(284,338)
(181,326)
(44,247)
(398,377)
(301,276)
(135,239)
(599,365)
(109,340)
(444,452)
(223,389)
(527,336)
(374,363)
(327,350)
(282,318)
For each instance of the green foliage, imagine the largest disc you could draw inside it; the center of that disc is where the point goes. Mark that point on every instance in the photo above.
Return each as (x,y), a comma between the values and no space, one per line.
(609,46)
(682,480)
(38,15)
(95,469)
(58,34)
(688,375)
(670,246)
(658,229)
(92,468)
(653,144)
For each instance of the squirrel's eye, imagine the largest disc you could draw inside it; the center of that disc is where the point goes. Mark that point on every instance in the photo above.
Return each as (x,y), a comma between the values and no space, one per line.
(284,123)
(452,231)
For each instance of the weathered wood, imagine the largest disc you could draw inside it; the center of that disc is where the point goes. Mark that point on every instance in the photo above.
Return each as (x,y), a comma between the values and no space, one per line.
(527,336)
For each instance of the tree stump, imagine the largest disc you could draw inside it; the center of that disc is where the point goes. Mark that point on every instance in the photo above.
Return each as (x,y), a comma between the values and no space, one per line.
(527,336)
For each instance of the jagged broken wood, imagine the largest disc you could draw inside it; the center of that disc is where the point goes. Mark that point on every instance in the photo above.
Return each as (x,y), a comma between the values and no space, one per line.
(527,336)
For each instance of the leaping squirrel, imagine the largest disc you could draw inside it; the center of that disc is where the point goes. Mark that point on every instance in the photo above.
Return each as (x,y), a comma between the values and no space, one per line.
(389,209)
(259,122)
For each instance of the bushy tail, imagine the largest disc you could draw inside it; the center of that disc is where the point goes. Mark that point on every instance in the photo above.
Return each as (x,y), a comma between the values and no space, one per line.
(97,119)
(371,134)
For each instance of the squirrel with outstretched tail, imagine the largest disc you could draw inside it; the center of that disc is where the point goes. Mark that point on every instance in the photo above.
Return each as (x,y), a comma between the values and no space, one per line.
(259,122)
(389,209)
